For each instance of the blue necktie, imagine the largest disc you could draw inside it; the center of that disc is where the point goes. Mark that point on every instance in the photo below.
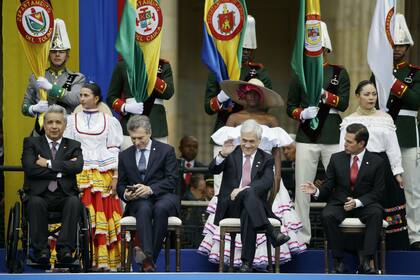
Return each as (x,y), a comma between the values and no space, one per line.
(142,164)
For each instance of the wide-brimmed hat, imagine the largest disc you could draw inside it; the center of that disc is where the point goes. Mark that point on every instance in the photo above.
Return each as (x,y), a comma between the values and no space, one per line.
(237,90)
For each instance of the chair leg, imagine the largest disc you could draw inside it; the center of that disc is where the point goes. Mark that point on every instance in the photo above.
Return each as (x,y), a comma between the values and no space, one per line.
(123,248)
(270,259)
(221,249)
(178,250)
(277,259)
(232,251)
(130,252)
(326,256)
(167,246)
(383,251)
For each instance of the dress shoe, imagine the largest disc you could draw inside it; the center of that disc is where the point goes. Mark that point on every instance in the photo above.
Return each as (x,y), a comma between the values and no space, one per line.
(42,256)
(148,264)
(245,267)
(365,268)
(415,246)
(339,266)
(65,256)
(277,238)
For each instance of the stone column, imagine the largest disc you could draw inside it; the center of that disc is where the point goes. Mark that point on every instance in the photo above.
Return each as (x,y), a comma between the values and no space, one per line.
(169,51)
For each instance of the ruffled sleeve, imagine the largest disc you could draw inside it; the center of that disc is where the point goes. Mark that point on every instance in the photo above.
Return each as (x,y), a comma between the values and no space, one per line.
(69,131)
(115,136)
(392,148)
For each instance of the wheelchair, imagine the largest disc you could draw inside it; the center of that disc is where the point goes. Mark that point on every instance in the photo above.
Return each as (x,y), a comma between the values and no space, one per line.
(18,232)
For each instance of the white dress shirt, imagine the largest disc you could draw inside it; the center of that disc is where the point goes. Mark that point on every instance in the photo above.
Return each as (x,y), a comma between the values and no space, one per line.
(50,144)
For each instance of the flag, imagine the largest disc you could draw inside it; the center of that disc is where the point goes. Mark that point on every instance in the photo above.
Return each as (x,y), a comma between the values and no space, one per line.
(223,32)
(138,42)
(307,53)
(380,48)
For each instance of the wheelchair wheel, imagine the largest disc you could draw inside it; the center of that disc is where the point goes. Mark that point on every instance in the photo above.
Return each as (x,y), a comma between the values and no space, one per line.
(13,263)
(86,241)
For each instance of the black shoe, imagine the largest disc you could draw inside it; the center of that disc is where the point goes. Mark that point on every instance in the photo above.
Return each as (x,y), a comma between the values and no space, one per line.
(148,264)
(415,246)
(42,256)
(245,267)
(365,268)
(277,238)
(339,266)
(65,256)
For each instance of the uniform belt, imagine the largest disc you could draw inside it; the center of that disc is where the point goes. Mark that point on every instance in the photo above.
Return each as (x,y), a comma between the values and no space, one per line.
(333,111)
(409,113)
(159,101)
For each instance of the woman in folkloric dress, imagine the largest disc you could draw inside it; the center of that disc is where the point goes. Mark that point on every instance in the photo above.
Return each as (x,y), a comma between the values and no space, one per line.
(383,141)
(256,99)
(101,136)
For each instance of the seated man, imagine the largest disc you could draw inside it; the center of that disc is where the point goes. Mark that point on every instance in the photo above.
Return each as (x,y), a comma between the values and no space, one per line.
(188,146)
(147,177)
(352,194)
(51,163)
(197,190)
(209,188)
(247,178)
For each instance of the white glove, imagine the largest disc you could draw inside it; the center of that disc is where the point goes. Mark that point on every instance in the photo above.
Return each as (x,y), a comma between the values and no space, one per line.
(133,108)
(40,107)
(43,83)
(222,97)
(309,113)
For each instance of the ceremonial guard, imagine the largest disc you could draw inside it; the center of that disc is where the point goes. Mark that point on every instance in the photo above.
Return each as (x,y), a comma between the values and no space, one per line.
(122,100)
(62,85)
(320,143)
(403,105)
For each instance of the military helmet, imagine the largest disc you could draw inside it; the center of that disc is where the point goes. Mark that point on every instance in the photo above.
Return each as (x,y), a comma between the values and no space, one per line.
(326,41)
(60,39)
(402,35)
(250,38)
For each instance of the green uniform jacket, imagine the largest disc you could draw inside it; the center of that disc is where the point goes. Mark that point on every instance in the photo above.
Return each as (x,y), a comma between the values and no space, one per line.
(212,106)
(66,84)
(119,90)
(410,100)
(297,101)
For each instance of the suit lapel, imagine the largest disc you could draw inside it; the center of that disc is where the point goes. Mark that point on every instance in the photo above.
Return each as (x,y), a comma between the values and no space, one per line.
(61,149)
(238,163)
(152,156)
(45,146)
(346,164)
(256,164)
(132,161)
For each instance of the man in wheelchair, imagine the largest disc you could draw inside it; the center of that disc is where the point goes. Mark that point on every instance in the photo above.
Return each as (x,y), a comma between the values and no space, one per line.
(50,164)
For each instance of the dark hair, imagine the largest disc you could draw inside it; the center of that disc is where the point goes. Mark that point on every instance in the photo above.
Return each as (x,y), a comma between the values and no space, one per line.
(360,131)
(195,180)
(362,84)
(95,88)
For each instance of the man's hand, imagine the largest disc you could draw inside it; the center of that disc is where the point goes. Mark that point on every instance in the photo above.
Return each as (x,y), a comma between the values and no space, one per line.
(308,188)
(227,147)
(144,191)
(350,204)
(235,193)
(43,83)
(400,180)
(41,161)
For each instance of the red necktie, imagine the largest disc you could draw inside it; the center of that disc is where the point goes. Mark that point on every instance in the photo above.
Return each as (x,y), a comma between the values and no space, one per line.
(354,170)
(187,178)
(246,172)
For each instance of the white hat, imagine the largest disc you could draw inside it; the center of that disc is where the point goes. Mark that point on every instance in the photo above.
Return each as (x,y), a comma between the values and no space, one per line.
(402,35)
(236,90)
(326,41)
(60,39)
(250,38)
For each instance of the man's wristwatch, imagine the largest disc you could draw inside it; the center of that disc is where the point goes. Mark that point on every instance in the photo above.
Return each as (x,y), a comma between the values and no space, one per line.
(222,155)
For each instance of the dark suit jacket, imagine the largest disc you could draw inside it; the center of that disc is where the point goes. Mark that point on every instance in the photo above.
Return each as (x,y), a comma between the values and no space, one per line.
(262,177)
(37,178)
(369,184)
(161,173)
(181,182)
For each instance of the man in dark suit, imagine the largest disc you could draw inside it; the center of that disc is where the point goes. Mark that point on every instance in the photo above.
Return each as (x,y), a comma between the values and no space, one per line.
(354,184)
(247,178)
(147,177)
(51,163)
(188,146)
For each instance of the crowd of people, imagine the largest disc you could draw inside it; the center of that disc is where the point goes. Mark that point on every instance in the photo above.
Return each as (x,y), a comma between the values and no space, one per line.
(79,151)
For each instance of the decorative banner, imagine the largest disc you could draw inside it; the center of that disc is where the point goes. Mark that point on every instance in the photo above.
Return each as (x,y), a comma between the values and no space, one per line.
(35,23)
(223,33)
(138,42)
(307,53)
(380,49)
